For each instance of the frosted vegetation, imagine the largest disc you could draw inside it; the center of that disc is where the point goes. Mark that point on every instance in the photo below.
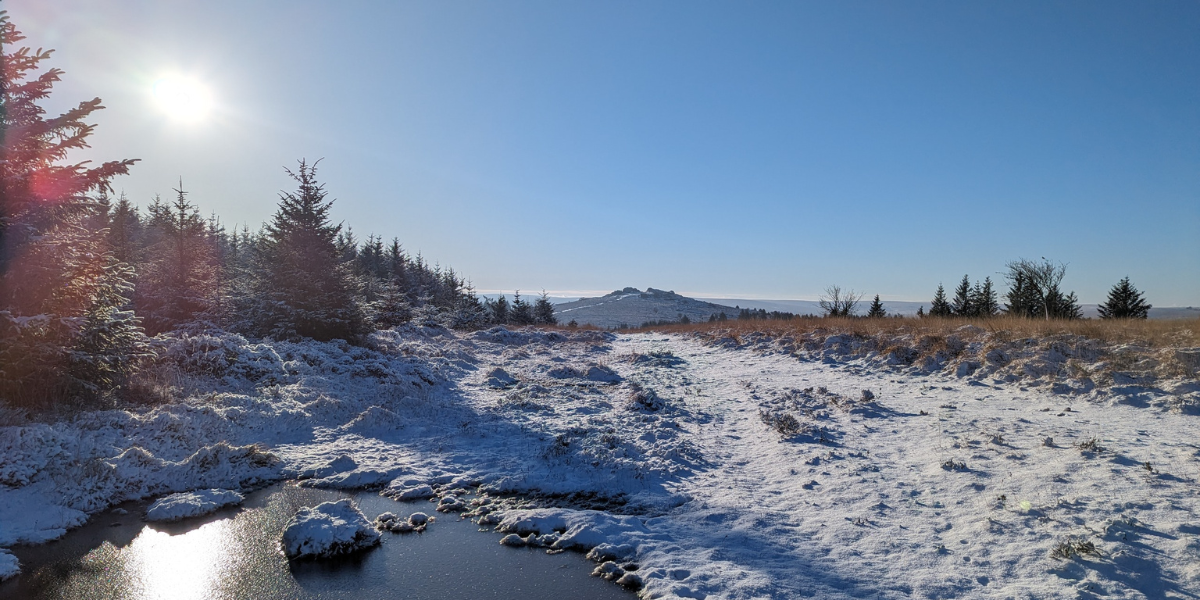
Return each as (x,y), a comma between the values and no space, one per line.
(719,464)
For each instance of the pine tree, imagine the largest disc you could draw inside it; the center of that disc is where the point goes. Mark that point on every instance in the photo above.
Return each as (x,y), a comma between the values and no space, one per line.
(876,311)
(1022,299)
(306,289)
(543,311)
(391,309)
(124,230)
(921,312)
(499,310)
(469,313)
(1124,302)
(110,344)
(63,327)
(940,307)
(522,312)
(1063,306)
(180,280)
(962,305)
(983,298)
(37,191)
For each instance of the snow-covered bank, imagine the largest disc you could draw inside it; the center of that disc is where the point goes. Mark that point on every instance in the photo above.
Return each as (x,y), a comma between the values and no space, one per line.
(709,467)
(186,505)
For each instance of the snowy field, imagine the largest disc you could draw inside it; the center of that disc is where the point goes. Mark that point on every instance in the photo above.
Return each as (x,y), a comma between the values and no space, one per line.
(703,466)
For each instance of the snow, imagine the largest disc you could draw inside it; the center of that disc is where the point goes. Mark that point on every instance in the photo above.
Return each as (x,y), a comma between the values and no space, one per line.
(720,465)
(9,566)
(328,529)
(191,504)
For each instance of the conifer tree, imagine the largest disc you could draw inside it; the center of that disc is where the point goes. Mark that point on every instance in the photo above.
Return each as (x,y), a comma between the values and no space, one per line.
(1037,280)
(180,282)
(1124,302)
(543,311)
(499,310)
(962,305)
(1063,306)
(391,308)
(63,328)
(306,289)
(983,298)
(1022,300)
(940,307)
(37,191)
(876,311)
(124,230)
(521,312)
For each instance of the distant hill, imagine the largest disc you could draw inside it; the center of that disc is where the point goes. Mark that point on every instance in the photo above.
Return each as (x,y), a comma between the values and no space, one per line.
(633,307)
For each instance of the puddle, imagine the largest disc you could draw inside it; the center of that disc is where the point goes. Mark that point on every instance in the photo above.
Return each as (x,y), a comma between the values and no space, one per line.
(234,554)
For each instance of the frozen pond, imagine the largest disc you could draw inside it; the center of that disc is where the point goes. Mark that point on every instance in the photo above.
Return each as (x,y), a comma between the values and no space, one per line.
(234,554)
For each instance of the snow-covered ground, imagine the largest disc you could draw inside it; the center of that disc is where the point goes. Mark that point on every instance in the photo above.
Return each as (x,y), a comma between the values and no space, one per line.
(185,505)
(709,466)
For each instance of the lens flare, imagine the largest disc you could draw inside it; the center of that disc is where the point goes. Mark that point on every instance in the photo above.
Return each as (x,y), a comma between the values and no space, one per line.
(182,98)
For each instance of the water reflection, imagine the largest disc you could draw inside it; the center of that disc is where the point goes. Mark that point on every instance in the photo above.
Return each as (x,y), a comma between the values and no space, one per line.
(234,554)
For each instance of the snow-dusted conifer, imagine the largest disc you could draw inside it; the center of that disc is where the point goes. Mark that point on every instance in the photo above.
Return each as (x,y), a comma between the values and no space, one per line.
(521,312)
(543,311)
(179,283)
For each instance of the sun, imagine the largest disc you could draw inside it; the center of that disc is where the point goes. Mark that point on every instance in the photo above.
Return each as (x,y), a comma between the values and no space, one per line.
(182,98)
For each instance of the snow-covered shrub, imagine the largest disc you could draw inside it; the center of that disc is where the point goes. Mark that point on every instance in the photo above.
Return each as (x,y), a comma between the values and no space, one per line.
(221,355)
(185,505)
(644,398)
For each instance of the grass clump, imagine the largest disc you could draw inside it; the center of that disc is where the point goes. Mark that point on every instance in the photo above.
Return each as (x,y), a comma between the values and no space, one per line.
(1074,548)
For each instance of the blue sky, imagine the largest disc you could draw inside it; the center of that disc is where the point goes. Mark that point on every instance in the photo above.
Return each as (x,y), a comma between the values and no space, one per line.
(753,150)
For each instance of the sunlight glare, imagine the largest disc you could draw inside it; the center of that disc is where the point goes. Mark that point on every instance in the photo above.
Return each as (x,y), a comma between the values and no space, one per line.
(182,98)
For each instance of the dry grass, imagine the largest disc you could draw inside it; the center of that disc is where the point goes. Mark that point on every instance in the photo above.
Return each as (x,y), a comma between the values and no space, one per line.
(1152,333)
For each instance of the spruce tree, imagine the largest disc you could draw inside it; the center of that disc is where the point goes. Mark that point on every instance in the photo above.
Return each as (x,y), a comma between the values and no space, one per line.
(499,310)
(1063,306)
(984,299)
(306,289)
(940,307)
(543,311)
(1124,302)
(1023,299)
(38,191)
(962,305)
(64,330)
(180,280)
(522,312)
(124,230)
(876,311)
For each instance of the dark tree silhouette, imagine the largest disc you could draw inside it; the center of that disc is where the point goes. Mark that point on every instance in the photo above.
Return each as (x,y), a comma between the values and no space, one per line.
(1124,302)
(305,289)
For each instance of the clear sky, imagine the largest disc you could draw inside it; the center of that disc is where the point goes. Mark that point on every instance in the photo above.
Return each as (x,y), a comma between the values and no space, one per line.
(732,149)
